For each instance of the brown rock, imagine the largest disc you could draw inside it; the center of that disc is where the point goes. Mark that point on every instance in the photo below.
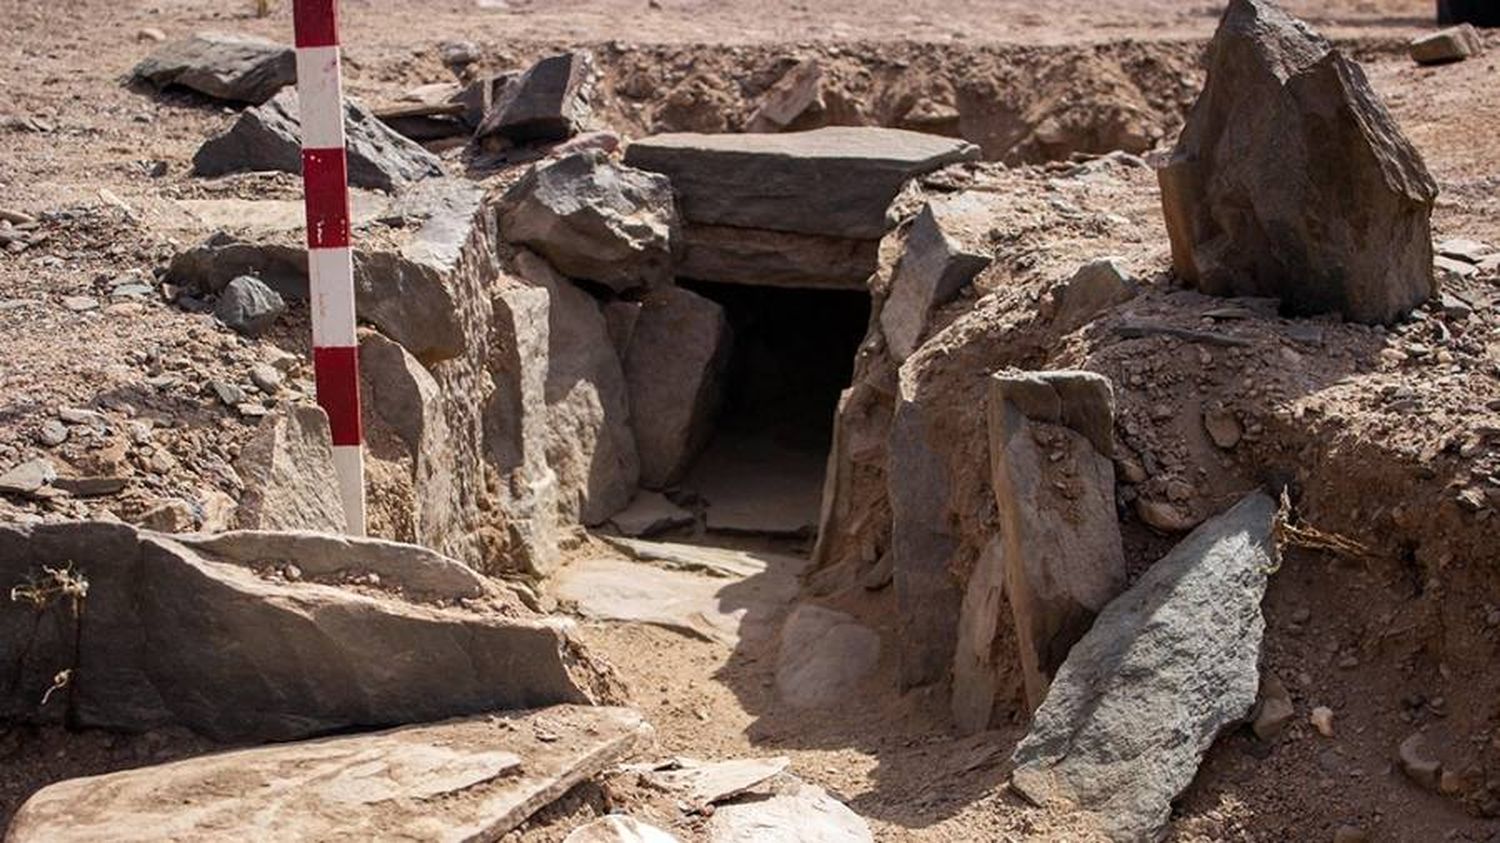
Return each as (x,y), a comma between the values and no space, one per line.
(1281,99)
(796,97)
(1455,43)
(289,474)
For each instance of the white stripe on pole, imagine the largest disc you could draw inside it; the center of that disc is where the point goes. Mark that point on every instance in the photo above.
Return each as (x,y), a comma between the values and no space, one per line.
(332,307)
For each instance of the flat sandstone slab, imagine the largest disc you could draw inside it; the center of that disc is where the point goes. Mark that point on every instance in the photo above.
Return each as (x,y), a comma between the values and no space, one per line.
(837,181)
(460,780)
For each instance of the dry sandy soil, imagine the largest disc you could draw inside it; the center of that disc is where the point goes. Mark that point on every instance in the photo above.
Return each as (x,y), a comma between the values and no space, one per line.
(101,165)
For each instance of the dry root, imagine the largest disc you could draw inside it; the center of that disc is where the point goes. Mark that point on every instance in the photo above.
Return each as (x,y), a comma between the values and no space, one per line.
(1286,534)
(53,584)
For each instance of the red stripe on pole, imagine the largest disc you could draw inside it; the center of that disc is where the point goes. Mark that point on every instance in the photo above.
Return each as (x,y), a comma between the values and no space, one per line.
(317,22)
(325,177)
(337,373)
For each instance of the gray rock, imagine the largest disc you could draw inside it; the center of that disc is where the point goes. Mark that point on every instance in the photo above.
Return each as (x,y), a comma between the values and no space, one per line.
(287,467)
(186,635)
(266,378)
(1059,559)
(836,181)
(650,513)
(823,657)
(595,220)
(80,304)
(674,371)
(399,390)
(1464,249)
(590,444)
(28,477)
(239,68)
(91,487)
(549,102)
(936,264)
(169,516)
(618,828)
(796,813)
(1166,667)
(795,99)
(52,433)
(1280,98)
(248,306)
(776,258)
(475,779)
(709,783)
(269,137)
(1455,43)
(1095,287)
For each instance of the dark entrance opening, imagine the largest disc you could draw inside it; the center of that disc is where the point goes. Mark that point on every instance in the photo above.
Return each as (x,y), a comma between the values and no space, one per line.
(793,355)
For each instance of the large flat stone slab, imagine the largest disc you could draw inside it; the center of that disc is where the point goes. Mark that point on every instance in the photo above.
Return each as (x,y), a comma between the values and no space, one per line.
(837,181)
(238,68)
(200,633)
(462,780)
(1166,667)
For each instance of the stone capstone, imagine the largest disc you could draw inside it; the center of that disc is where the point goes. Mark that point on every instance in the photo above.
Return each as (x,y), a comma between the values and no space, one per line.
(595,220)
(1059,555)
(269,137)
(238,68)
(474,779)
(192,635)
(1347,229)
(1165,668)
(674,370)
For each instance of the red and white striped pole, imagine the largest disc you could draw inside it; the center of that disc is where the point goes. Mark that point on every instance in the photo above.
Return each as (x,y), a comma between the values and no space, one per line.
(330,263)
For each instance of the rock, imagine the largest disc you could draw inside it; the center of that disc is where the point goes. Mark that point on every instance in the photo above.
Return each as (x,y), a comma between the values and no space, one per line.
(91,487)
(1094,288)
(172,516)
(1274,711)
(1164,516)
(269,137)
(248,306)
(1060,559)
(1455,43)
(475,779)
(1223,427)
(674,370)
(400,390)
(188,634)
(1350,834)
(229,394)
(776,258)
(289,475)
(936,264)
(620,319)
(1417,764)
(836,181)
(266,378)
(797,813)
(590,444)
(709,783)
(28,477)
(549,102)
(823,657)
(1280,98)
(1167,666)
(239,68)
(1322,719)
(52,433)
(796,96)
(80,304)
(710,608)
(650,513)
(618,828)
(1464,249)
(595,220)
(457,55)
(150,33)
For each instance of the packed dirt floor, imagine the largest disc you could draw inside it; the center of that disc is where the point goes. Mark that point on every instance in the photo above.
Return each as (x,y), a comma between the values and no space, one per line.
(1404,637)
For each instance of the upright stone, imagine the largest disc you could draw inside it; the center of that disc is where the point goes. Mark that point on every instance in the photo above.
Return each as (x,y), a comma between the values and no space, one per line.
(796,97)
(590,445)
(674,371)
(595,220)
(835,181)
(1060,559)
(288,471)
(549,102)
(269,137)
(1166,667)
(238,68)
(1292,180)
(938,262)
